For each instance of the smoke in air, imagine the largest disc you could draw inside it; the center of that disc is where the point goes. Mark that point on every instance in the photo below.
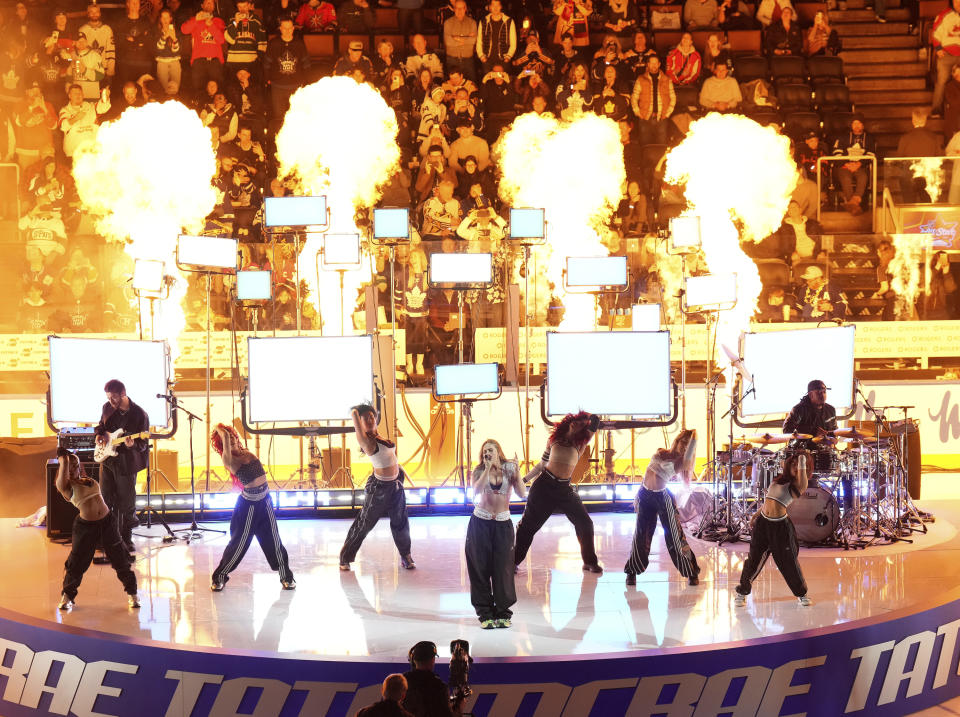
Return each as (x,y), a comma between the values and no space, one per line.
(339,140)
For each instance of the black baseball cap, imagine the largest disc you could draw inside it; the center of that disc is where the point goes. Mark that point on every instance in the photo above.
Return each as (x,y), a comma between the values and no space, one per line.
(817,384)
(423,651)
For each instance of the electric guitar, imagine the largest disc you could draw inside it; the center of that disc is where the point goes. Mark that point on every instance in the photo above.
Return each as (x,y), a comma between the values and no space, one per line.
(108,448)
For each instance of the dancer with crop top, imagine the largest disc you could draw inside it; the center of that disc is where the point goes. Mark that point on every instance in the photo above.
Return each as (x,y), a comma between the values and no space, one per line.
(93,524)
(253,514)
(773,532)
(552,490)
(384,491)
(653,500)
(489,546)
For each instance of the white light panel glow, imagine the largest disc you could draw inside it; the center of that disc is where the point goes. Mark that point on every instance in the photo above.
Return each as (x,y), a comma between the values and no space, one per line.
(466,378)
(461,268)
(597,271)
(207,252)
(391,223)
(294,211)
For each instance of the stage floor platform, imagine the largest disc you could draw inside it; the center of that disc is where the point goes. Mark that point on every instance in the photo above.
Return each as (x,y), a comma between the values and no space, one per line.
(377,611)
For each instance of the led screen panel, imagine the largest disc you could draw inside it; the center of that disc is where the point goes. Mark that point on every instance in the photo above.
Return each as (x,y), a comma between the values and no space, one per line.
(461,269)
(391,223)
(466,378)
(596,271)
(253,285)
(294,211)
(526,223)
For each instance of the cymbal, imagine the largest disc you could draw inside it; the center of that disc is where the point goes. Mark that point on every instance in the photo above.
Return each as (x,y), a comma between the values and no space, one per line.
(768,438)
(856,435)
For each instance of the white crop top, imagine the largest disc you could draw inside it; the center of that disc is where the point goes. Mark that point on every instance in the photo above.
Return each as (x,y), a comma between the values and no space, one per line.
(780,492)
(385,456)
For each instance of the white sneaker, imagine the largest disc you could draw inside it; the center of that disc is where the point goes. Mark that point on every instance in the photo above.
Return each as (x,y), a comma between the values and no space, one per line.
(739,600)
(65,602)
(133,601)
(805,601)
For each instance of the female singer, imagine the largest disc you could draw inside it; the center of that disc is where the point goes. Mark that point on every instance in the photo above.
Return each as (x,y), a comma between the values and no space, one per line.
(774,534)
(489,547)
(253,514)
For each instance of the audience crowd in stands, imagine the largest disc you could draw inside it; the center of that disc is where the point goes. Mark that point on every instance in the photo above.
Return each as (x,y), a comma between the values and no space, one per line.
(237,64)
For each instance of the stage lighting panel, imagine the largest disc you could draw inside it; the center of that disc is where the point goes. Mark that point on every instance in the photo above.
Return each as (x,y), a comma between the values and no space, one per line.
(207,253)
(461,270)
(596,271)
(466,379)
(340,251)
(294,211)
(391,223)
(527,223)
(645,317)
(710,291)
(254,285)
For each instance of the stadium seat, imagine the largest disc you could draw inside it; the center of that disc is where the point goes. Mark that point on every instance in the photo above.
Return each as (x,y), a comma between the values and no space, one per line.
(799,124)
(751,67)
(787,66)
(825,66)
(794,97)
(833,97)
(688,99)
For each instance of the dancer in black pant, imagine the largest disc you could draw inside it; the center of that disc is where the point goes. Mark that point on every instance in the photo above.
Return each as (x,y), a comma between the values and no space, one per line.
(773,532)
(552,491)
(489,547)
(118,473)
(384,491)
(654,500)
(253,514)
(94,524)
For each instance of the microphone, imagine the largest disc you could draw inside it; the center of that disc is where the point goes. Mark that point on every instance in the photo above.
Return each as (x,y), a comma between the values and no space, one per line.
(167,396)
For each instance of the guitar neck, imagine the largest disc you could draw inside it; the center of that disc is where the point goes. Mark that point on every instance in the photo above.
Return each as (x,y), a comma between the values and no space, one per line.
(120,439)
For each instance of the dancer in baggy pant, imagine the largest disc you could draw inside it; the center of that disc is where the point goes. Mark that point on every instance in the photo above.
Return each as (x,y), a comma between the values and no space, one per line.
(489,546)
(94,524)
(773,532)
(654,500)
(552,491)
(383,492)
(253,515)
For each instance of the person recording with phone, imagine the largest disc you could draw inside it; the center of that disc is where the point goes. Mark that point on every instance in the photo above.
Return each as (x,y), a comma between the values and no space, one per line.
(552,491)
(383,494)
(427,694)
(118,473)
(655,501)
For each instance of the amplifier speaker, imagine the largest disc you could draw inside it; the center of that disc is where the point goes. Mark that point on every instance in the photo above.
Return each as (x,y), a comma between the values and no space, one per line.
(165,477)
(914,462)
(60,511)
(330,462)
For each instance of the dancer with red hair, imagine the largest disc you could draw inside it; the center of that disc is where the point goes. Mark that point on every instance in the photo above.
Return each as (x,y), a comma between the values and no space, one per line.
(552,491)
(252,516)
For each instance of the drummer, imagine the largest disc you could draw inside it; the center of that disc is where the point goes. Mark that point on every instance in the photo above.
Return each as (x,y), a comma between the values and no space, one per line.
(814,416)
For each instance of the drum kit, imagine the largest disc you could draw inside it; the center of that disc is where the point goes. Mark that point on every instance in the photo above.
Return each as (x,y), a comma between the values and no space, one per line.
(856,494)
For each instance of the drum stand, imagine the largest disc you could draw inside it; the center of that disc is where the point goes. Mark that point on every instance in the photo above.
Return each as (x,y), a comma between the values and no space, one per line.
(907,516)
(880,532)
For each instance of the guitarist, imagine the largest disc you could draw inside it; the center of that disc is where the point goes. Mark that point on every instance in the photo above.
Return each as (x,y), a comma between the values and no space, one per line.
(118,474)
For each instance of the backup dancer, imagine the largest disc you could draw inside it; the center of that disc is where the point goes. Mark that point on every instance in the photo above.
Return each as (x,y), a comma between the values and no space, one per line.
(384,491)
(552,490)
(253,514)
(653,500)
(94,524)
(773,532)
(489,546)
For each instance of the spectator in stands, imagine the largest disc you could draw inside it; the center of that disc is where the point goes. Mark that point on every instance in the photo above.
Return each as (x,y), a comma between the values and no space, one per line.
(422,90)
(700,14)
(784,37)
(632,212)
(356,17)
(606,56)
(775,305)
(820,300)
(354,59)
(609,101)
(432,113)
(572,17)
(942,297)
(384,64)
(432,172)
(621,18)
(250,154)
(166,51)
(87,68)
(422,59)
(653,100)
(317,16)
(917,142)
(463,110)
(951,103)
(221,115)
(471,178)
(393,691)
(715,53)
(683,62)
(100,37)
(498,100)
(801,237)
(246,41)
(441,213)
(574,96)
(50,187)
(497,39)
(468,145)
(720,93)
(768,11)
(946,45)
(443,317)
(821,39)
(635,57)
(854,173)
(78,120)
(397,96)
(206,34)
(129,97)
(885,254)
(247,98)
(736,15)
(286,64)
(530,88)
(52,61)
(135,53)
(482,224)
(533,60)
(34,313)
(33,122)
(460,41)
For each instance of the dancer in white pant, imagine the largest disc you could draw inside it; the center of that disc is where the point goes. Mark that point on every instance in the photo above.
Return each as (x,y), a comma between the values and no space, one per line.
(654,500)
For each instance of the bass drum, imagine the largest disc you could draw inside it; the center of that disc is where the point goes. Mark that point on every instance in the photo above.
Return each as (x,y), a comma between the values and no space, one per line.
(815,515)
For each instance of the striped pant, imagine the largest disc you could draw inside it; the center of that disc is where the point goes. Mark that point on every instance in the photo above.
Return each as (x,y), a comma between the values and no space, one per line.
(650,504)
(777,538)
(381,497)
(253,519)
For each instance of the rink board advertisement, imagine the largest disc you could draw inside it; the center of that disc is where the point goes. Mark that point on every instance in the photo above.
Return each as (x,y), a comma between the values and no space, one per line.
(893,665)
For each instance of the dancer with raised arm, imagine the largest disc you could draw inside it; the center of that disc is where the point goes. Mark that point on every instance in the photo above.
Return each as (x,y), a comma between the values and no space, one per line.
(489,546)
(93,524)
(253,514)
(654,500)
(552,490)
(383,492)
(773,532)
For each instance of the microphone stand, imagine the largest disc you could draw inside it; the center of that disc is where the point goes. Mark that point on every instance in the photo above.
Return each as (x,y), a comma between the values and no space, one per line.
(735,402)
(195,530)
